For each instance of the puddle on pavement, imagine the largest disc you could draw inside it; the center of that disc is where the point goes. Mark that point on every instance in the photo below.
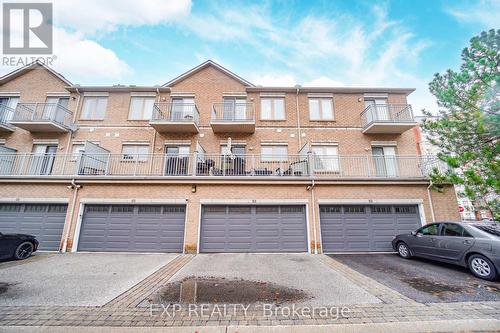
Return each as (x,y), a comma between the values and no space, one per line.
(432,287)
(202,290)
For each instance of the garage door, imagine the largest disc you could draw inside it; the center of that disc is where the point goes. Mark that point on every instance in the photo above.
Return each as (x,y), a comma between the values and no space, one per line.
(45,221)
(352,228)
(132,228)
(253,229)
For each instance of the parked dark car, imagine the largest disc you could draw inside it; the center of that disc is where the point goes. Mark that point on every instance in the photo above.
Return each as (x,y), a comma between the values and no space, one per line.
(472,245)
(17,246)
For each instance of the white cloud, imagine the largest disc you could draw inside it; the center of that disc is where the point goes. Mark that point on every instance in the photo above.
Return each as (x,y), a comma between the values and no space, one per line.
(274,80)
(81,59)
(323,81)
(92,16)
(484,12)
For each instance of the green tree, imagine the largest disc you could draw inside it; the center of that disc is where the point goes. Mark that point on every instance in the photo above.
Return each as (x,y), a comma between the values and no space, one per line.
(467,127)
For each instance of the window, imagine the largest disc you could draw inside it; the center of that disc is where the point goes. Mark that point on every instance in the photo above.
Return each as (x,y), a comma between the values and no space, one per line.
(386,162)
(326,158)
(62,101)
(381,209)
(320,109)
(141,108)
(7,107)
(274,153)
(177,150)
(238,150)
(94,108)
(452,229)
(378,109)
(135,152)
(77,150)
(272,108)
(354,209)
(235,109)
(183,109)
(430,230)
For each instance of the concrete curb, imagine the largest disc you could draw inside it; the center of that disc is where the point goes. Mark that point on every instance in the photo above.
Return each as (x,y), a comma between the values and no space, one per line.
(489,325)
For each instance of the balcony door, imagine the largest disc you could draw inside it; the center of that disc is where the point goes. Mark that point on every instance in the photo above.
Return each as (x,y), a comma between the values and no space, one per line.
(42,159)
(234,108)
(50,110)
(7,107)
(176,160)
(326,158)
(182,109)
(385,160)
(378,111)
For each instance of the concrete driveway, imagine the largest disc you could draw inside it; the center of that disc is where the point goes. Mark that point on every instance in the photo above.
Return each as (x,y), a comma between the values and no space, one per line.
(79,279)
(423,280)
(304,272)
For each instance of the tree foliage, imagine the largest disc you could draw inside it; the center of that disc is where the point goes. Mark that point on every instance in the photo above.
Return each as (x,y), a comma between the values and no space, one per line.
(467,128)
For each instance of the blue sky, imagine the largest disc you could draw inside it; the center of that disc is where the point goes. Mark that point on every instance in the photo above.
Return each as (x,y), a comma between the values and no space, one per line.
(316,43)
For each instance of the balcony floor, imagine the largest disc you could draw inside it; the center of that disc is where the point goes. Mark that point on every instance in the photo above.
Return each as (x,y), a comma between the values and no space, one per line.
(233,126)
(174,126)
(388,127)
(41,126)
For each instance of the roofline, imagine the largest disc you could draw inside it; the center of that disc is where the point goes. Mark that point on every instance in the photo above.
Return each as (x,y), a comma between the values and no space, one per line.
(405,91)
(18,72)
(203,65)
(130,88)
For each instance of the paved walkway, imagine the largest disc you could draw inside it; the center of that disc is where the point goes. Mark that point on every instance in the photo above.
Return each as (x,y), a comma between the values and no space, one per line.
(129,309)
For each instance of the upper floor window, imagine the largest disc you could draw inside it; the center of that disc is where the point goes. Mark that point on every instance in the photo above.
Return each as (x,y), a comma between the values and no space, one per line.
(272,108)
(135,152)
(94,107)
(325,157)
(274,153)
(320,108)
(10,103)
(62,101)
(141,108)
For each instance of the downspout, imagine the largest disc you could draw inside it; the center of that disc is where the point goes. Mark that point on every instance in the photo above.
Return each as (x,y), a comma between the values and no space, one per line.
(430,201)
(299,134)
(313,212)
(75,187)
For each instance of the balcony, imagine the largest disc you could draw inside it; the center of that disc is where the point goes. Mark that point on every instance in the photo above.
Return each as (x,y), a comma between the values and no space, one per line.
(6,114)
(387,119)
(231,117)
(43,117)
(175,118)
(200,166)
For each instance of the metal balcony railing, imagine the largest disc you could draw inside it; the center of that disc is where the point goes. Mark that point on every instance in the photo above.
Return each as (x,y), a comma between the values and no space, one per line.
(233,112)
(216,165)
(387,113)
(43,112)
(6,114)
(176,112)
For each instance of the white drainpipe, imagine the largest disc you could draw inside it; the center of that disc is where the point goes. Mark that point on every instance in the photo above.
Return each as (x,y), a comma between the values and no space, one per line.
(313,212)
(71,213)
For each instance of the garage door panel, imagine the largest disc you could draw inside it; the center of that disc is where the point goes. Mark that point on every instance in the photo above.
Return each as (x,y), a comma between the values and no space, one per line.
(266,229)
(132,228)
(45,221)
(365,228)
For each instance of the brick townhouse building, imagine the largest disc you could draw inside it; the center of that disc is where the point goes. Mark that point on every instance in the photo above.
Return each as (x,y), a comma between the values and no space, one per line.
(209,162)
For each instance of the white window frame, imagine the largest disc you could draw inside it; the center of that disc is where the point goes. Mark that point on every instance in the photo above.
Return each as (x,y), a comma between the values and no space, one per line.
(273,156)
(324,161)
(92,112)
(143,113)
(321,101)
(272,111)
(135,155)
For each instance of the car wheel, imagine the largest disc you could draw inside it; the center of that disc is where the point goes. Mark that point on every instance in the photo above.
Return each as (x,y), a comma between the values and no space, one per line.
(482,267)
(23,251)
(404,250)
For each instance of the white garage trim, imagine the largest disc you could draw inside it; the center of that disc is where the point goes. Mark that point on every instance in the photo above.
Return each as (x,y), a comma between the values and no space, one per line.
(134,201)
(253,202)
(34,200)
(304,202)
(369,201)
(76,236)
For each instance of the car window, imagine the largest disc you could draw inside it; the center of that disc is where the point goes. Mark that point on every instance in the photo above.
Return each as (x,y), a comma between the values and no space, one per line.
(430,230)
(490,229)
(454,230)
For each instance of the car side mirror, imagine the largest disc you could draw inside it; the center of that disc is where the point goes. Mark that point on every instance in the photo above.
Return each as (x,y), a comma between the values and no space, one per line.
(413,233)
